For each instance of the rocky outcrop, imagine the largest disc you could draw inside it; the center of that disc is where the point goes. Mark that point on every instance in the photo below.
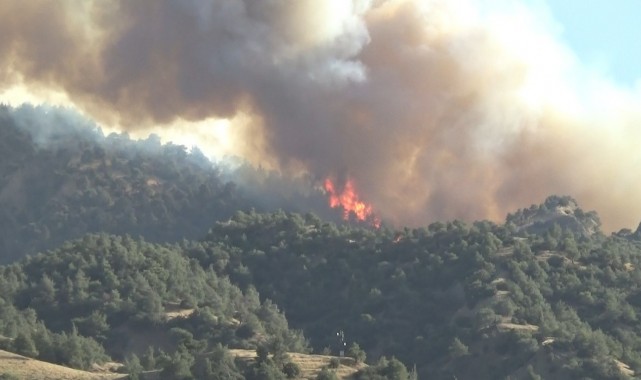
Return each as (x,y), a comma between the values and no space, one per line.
(563,211)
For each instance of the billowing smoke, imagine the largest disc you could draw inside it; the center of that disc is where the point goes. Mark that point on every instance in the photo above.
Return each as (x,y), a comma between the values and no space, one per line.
(434,109)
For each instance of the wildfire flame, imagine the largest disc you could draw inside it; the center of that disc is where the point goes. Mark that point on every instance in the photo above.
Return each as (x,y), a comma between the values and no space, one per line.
(350,202)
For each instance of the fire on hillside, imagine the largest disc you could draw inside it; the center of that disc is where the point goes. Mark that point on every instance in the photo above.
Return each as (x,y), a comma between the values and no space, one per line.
(349,201)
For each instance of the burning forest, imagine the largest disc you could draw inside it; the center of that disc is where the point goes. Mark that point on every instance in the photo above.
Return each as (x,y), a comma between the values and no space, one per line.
(433,109)
(350,203)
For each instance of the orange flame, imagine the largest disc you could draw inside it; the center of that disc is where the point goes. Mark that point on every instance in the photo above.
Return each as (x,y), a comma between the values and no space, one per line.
(350,202)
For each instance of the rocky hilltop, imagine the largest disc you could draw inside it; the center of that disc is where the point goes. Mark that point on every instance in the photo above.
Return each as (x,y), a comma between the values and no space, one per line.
(561,210)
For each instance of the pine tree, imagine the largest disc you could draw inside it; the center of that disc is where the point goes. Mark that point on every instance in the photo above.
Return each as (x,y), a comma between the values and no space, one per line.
(149,359)
(458,348)
(355,351)
(23,344)
(133,367)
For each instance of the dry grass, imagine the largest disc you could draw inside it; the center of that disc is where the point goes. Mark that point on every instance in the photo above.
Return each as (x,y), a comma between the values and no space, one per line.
(178,313)
(624,368)
(311,365)
(30,369)
(505,326)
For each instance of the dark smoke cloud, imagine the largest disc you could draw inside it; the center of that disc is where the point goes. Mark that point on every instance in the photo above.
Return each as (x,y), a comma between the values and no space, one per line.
(436,109)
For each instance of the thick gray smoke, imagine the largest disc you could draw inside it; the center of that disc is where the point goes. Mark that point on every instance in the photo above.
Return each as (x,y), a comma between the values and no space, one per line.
(435,109)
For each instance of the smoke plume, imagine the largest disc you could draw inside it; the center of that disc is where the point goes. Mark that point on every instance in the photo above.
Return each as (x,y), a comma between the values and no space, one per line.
(433,109)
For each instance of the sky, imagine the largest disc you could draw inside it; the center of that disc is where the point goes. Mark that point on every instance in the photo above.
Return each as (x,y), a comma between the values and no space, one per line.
(603,34)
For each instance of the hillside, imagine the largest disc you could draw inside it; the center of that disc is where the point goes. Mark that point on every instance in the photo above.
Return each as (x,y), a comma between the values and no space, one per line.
(60,178)
(310,365)
(23,368)
(474,301)
(155,261)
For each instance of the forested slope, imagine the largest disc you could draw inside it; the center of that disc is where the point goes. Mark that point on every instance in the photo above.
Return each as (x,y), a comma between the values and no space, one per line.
(544,295)
(105,297)
(468,300)
(60,178)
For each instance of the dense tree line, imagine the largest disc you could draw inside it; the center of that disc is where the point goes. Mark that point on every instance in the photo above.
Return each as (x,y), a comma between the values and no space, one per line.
(105,296)
(450,296)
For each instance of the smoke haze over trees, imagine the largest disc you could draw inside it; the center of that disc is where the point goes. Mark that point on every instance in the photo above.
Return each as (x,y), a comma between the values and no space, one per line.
(436,110)
(60,178)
